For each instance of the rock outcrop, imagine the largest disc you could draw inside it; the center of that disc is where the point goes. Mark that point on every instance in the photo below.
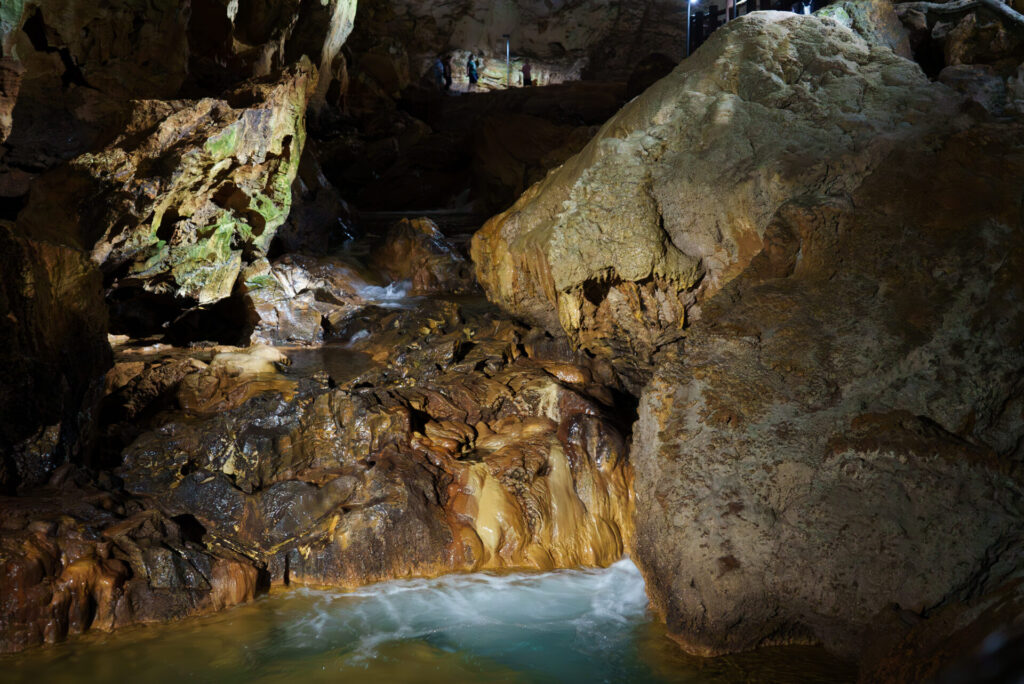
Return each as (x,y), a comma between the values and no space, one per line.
(77,557)
(298,299)
(615,248)
(841,432)
(818,249)
(454,452)
(188,193)
(460,442)
(416,250)
(82,63)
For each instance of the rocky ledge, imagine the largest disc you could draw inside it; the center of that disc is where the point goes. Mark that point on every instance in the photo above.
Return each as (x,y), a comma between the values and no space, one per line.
(445,440)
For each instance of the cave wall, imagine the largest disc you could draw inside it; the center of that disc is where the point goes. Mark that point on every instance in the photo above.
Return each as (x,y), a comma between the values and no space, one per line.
(605,39)
(74,67)
(156,142)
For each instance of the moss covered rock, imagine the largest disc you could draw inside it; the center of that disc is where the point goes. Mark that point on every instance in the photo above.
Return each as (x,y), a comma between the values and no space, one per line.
(188,193)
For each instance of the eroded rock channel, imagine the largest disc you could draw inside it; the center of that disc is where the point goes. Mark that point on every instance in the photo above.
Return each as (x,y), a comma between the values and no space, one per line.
(289,310)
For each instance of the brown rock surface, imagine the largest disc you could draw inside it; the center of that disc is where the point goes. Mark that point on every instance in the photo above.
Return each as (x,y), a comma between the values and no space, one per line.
(76,557)
(53,347)
(415,250)
(671,199)
(819,251)
(455,452)
(841,431)
(297,298)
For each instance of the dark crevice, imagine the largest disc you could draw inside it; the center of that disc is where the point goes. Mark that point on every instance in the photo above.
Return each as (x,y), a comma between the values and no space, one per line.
(191,529)
(35,29)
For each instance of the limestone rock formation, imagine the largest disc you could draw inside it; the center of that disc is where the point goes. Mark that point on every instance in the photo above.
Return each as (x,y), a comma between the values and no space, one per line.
(297,299)
(84,62)
(10,83)
(231,41)
(77,557)
(841,431)
(455,452)
(417,251)
(819,249)
(672,197)
(874,20)
(187,194)
(81,63)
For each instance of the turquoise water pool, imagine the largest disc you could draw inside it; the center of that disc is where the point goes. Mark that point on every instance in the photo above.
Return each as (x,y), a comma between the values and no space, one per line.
(566,626)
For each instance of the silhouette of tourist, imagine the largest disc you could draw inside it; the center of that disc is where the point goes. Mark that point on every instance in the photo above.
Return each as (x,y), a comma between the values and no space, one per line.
(527,74)
(447,70)
(471,71)
(437,73)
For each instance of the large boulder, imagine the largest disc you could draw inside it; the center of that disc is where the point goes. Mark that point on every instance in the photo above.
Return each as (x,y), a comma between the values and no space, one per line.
(415,250)
(840,433)
(671,199)
(819,249)
(299,298)
(188,193)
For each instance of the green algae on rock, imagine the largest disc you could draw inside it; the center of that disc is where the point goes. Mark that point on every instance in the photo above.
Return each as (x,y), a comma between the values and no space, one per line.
(188,193)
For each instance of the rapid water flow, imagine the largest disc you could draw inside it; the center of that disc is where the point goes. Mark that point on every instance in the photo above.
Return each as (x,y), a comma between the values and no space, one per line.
(565,626)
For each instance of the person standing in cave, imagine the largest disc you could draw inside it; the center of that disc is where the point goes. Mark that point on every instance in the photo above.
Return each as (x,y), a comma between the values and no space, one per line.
(437,73)
(471,71)
(527,74)
(447,70)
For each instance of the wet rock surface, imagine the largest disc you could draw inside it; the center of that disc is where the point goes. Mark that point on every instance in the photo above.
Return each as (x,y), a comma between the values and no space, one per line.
(53,347)
(416,250)
(296,298)
(464,442)
(455,451)
(75,556)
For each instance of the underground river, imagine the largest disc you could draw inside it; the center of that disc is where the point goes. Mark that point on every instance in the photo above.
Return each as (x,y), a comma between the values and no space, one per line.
(563,626)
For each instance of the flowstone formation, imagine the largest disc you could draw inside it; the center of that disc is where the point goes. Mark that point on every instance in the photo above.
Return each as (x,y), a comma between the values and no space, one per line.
(459,442)
(815,250)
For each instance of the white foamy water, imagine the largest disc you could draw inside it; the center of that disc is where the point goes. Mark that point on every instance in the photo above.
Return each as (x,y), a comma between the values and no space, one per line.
(582,611)
(392,295)
(565,626)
